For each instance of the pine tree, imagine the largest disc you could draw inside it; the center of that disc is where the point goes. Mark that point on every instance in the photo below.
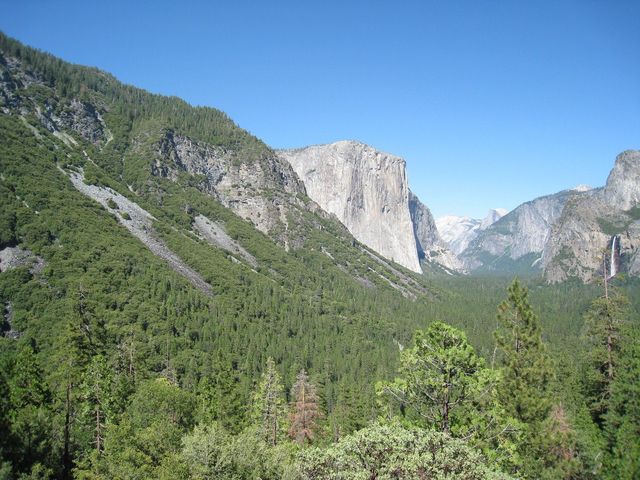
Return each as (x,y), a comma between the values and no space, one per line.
(97,392)
(305,410)
(29,417)
(440,375)
(268,405)
(604,322)
(527,371)
(622,420)
(526,375)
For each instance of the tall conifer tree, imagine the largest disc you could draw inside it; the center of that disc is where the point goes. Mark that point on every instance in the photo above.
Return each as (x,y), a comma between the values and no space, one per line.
(526,376)
(268,405)
(527,371)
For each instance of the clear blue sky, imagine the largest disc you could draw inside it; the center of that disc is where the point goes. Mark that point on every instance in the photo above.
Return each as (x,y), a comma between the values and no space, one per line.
(491,103)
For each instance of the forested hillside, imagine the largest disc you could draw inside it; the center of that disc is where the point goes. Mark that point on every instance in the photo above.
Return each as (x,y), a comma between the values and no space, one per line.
(140,343)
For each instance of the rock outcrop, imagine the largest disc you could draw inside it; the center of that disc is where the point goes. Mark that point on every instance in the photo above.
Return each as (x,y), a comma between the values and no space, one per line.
(82,118)
(622,191)
(517,240)
(14,257)
(261,191)
(431,247)
(366,190)
(580,241)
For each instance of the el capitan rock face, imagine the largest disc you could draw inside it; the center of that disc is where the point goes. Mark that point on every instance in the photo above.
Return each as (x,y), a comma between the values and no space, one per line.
(366,190)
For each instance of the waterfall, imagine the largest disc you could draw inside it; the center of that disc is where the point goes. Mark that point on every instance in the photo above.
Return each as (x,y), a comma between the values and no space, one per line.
(613,268)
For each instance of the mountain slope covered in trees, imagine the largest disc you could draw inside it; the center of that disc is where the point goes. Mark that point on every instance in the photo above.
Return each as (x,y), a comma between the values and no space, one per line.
(205,319)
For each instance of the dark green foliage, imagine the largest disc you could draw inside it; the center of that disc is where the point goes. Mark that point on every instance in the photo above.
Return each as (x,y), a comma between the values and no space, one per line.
(151,428)
(526,376)
(604,322)
(613,225)
(119,357)
(527,372)
(622,420)
(28,412)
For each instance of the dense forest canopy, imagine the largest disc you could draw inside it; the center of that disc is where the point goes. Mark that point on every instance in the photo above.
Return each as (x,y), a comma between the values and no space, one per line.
(113,365)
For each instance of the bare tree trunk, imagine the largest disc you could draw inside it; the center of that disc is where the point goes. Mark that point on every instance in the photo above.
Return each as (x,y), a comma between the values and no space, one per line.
(609,353)
(98,430)
(66,455)
(445,413)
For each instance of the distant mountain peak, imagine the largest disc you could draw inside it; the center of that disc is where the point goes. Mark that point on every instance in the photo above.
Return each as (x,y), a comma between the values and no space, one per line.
(458,231)
(493,216)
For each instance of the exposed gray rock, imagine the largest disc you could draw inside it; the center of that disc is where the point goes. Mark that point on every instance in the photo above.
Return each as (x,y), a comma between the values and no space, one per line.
(523,231)
(80,117)
(492,217)
(576,243)
(84,119)
(424,227)
(457,231)
(7,323)
(580,241)
(13,257)
(622,191)
(366,190)
(139,222)
(430,246)
(215,234)
(261,192)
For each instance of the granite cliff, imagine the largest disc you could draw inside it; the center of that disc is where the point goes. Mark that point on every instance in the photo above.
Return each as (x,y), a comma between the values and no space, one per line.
(580,241)
(515,242)
(366,190)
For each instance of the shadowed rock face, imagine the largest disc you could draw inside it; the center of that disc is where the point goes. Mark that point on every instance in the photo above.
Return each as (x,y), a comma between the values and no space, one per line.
(424,225)
(366,190)
(430,246)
